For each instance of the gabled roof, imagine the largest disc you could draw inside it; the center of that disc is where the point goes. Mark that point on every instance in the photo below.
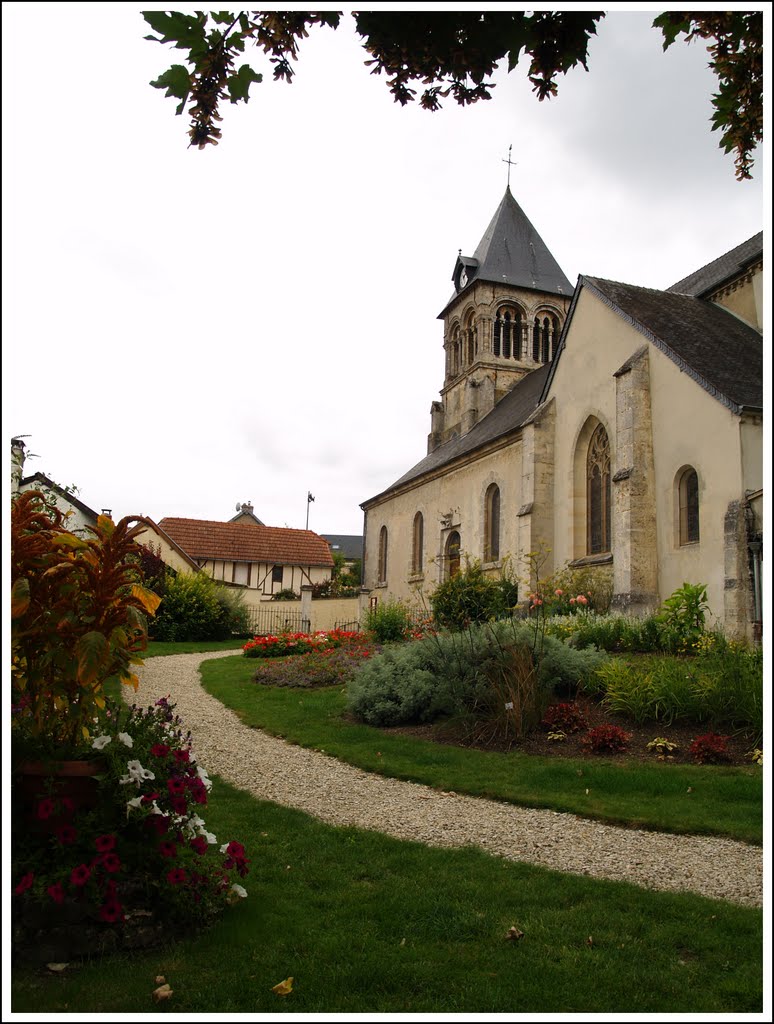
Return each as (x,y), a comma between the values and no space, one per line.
(349,545)
(723,269)
(512,252)
(247,542)
(40,480)
(163,535)
(510,413)
(720,352)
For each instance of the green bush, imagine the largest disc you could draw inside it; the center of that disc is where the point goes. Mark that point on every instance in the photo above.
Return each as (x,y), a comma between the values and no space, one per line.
(389,621)
(470,596)
(473,674)
(194,607)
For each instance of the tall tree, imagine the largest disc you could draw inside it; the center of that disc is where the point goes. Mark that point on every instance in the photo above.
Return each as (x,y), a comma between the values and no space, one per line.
(450,54)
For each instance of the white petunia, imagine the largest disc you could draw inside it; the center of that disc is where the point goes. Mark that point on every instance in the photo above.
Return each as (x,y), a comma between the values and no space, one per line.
(100,742)
(239,890)
(126,739)
(211,839)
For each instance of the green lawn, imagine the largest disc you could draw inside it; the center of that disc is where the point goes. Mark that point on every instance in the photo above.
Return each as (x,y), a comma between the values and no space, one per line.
(672,798)
(368,924)
(161,648)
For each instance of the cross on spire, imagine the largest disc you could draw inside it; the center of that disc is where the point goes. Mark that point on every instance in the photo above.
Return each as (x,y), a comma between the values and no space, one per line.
(511,163)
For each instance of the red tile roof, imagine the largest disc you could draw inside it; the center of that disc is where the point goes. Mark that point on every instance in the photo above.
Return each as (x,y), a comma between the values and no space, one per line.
(248,542)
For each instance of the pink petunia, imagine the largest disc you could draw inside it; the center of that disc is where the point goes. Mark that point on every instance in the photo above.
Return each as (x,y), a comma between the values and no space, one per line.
(80,875)
(110,862)
(158,822)
(104,844)
(177,876)
(45,808)
(66,834)
(176,787)
(24,883)
(111,912)
(159,750)
(56,892)
(167,848)
(199,844)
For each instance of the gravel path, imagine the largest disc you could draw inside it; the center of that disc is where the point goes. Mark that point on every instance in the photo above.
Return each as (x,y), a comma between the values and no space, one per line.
(339,794)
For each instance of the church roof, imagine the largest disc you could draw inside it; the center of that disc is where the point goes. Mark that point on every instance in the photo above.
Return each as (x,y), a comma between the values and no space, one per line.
(507,416)
(247,542)
(725,267)
(512,252)
(718,350)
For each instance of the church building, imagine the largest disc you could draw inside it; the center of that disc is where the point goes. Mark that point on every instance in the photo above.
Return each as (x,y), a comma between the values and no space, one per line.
(608,425)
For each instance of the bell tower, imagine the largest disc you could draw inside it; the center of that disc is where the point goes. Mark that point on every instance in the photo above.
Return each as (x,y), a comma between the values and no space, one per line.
(503,320)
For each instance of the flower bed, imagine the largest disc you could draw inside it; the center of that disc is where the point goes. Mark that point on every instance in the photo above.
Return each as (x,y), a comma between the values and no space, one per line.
(284,644)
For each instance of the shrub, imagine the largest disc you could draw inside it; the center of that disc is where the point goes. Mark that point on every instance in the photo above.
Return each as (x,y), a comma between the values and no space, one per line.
(468,673)
(710,749)
(389,621)
(286,595)
(607,739)
(472,597)
(195,607)
(683,615)
(565,717)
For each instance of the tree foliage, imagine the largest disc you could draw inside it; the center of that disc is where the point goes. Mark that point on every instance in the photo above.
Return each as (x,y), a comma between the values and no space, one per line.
(450,54)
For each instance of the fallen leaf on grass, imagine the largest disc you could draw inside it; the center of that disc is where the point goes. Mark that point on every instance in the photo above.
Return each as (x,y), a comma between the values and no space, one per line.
(514,933)
(590,940)
(160,979)
(284,988)
(57,968)
(162,993)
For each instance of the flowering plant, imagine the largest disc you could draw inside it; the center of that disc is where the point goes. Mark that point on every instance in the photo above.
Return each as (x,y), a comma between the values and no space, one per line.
(283,644)
(144,844)
(78,617)
(711,748)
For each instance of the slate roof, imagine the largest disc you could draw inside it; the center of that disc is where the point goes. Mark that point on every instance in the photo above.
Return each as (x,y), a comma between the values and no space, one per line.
(512,252)
(247,542)
(349,545)
(722,353)
(40,480)
(511,412)
(725,267)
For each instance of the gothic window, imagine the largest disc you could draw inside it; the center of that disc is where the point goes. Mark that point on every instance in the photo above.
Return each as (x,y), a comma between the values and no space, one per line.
(492,524)
(418,543)
(382,570)
(598,493)
(688,500)
(452,552)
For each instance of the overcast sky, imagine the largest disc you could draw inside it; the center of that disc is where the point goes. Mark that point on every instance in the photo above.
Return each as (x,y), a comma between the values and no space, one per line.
(186,330)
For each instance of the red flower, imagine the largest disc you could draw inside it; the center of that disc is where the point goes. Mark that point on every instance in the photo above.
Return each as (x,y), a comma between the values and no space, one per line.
(158,822)
(80,875)
(178,804)
(67,804)
(24,883)
(45,808)
(110,861)
(56,892)
(198,791)
(176,876)
(148,798)
(66,834)
(199,844)
(167,848)
(235,849)
(176,787)
(181,756)
(104,843)
(111,911)
(159,750)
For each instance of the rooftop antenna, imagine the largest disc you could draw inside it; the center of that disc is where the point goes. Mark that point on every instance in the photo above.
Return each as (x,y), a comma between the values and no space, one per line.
(511,163)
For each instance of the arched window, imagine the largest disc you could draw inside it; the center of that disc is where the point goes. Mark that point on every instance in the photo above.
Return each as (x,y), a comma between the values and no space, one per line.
(471,336)
(688,503)
(598,493)
(492,524)
(452,553)
(507,333)
(418,544)
(382,570)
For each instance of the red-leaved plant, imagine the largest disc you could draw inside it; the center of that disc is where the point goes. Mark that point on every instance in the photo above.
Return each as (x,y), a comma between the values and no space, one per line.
(566,717)
(607,739)
(711,748)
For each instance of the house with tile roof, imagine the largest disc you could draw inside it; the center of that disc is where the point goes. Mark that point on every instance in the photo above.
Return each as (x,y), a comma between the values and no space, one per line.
(262,559)
(79,515)
(612,427)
